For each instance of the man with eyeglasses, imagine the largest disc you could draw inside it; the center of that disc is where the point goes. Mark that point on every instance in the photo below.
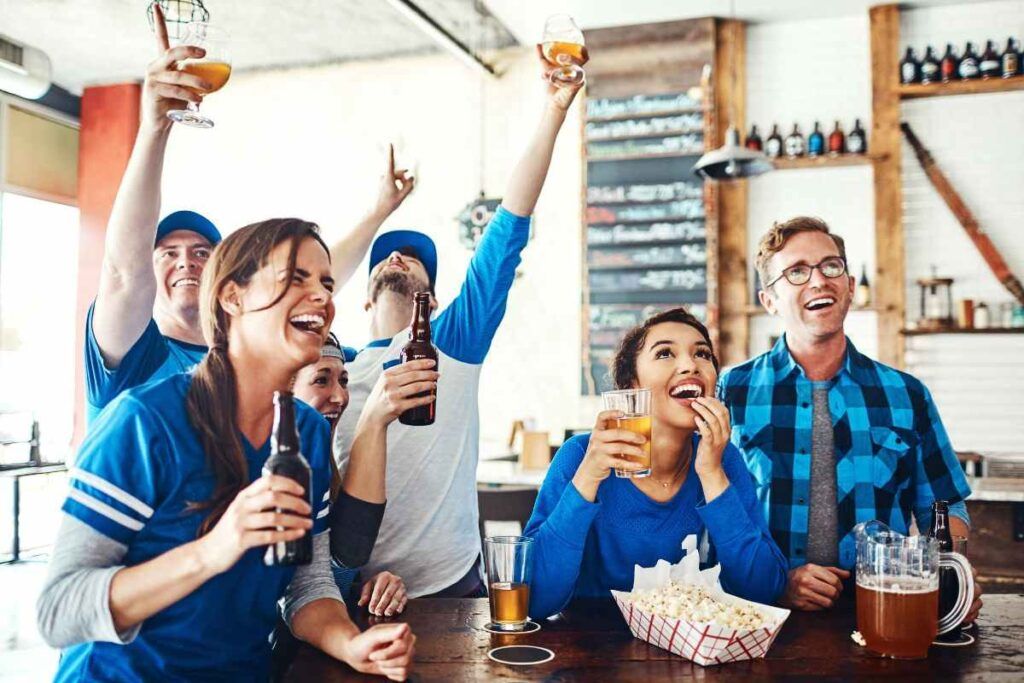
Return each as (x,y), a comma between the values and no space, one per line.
(832,437)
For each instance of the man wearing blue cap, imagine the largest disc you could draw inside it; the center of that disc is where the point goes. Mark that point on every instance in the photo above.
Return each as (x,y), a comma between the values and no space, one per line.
(429,534)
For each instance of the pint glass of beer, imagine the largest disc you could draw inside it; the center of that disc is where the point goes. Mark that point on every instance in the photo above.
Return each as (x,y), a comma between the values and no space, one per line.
(635,405)
(508,560)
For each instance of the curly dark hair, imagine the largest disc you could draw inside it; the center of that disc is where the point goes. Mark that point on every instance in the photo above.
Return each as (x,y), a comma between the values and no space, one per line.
(624,363)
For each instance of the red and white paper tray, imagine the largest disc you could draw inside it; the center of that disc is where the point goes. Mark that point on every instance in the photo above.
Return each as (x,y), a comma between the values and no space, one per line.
(704,643)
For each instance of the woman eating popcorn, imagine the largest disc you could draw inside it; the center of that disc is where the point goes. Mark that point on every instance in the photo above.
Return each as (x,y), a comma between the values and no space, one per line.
(590,529)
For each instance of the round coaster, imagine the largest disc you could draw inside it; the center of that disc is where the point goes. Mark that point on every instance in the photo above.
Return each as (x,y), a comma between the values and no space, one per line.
(521,655)
(530,627)
(965,639)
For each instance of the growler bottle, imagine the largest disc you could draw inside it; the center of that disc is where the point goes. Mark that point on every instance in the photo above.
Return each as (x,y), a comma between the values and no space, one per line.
(753,140)
(989,66)
(816,142)
(795,143)
(930,67)
(1010,60)
(773,145)
(947,575)
(836,141)
(948,65)
(968,67)
(418,348)
(857,140)
(910,68)
(286,460)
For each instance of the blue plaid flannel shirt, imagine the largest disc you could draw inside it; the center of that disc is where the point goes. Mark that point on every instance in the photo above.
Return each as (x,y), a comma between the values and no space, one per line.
(893,457)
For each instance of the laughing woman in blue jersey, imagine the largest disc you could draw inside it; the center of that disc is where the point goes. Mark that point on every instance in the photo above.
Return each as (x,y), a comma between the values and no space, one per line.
(157,572)
(591,529)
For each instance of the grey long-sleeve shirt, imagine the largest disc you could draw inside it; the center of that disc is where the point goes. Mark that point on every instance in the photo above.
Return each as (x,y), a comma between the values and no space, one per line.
(74,604)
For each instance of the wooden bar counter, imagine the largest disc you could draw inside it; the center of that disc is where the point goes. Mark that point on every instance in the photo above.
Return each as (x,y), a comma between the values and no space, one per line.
(591,642)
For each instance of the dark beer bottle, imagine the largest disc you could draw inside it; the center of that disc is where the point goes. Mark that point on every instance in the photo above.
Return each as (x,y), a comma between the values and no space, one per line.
(1010,60)
(753,140)
(910,68)
(857,141)
(286,460)
(795,143)
(862,297)
(989,67)
(930,67)
(948,65)
(836,141)
(418,348)
(947,576)
(968,67)
(816,142)
(773,145)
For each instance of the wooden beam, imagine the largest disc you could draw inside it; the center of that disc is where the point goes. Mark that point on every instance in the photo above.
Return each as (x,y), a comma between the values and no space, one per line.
(885,146)
(730,257)
(109,122)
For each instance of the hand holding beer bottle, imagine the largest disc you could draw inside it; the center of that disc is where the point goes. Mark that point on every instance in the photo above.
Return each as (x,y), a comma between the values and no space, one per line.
(403,387)
(610,448)
(420,348)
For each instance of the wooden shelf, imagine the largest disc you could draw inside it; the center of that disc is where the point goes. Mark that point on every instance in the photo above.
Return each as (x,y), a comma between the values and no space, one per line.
(784,163)
(645,115)
(647,136)
(917,90)
(970,330)
(635,157)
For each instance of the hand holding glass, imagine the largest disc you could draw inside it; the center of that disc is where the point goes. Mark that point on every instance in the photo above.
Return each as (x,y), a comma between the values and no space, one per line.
(635,405)
(214,68)
(564,49)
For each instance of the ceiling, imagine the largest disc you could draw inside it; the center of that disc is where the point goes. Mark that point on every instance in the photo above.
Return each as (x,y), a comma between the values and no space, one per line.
(107,41)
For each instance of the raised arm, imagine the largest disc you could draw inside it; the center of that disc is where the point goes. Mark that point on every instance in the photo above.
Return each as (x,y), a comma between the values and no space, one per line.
(348,252)
(127,288)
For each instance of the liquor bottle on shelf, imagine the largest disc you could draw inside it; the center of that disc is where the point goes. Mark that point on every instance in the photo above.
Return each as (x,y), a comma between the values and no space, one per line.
(968,67)
(796,146)
(836,141)
(948,65)
(857,140)
(1010,60)
(753,140)
(990,67)
(862,297)
(816,142)
(773,145)
(910,68)
(930,67)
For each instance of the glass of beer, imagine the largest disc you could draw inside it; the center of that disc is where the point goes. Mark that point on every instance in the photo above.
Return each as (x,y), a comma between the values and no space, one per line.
(508,560)
(898,591)
(214,67)
(562,45)
(635,405)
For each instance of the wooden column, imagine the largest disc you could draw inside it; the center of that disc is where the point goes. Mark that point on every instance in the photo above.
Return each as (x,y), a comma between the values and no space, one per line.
(731,265)
(109,122)
(885,147)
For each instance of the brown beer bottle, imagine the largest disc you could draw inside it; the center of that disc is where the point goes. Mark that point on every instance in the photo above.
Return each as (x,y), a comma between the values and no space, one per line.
(948,65)
(990,64)
(930,67)
(418,348)
(753,140)
(773,146)
(857,141)
(836,141)
(1010,60)
(947,576)
(286,460)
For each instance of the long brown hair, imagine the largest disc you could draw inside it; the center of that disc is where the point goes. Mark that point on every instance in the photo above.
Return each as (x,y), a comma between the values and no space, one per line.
(212,397)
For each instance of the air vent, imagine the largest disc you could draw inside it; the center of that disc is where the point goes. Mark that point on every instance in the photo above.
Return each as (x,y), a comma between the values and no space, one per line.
(24,70)
(11,53)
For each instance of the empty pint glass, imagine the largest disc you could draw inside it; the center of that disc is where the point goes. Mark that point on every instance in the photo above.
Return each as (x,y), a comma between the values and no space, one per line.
(898,591)
(508,560)
(635,405)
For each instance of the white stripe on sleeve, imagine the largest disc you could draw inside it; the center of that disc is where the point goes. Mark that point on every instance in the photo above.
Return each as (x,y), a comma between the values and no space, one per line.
(114,492)
(324,512)
(104,509)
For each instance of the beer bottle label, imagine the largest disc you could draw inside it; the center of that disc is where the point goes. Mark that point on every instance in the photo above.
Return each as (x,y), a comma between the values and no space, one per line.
(1010,64)
(989,65)
(968,68)
(773,148)
(855,144)
(909,71)
(929,70)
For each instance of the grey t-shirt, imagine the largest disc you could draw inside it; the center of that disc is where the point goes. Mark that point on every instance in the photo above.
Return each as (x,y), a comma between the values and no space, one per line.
(823,521)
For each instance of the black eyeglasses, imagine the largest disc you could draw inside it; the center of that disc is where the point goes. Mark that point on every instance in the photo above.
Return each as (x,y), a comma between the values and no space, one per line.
(832,267)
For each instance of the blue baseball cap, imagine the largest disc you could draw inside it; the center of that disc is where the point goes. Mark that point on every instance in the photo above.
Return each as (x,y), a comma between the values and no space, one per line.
(187,220)
(396,240)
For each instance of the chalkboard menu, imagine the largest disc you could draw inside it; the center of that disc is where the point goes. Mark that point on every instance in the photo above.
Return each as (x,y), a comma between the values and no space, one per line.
(645,231)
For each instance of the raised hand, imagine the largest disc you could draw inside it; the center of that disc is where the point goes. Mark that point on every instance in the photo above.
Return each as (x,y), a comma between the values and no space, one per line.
(166,88)
(395,186)
(384,595)
(559,96)
(252,520)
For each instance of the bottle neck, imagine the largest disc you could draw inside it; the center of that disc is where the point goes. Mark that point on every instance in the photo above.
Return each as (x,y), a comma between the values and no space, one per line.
(420,330)
(285,435)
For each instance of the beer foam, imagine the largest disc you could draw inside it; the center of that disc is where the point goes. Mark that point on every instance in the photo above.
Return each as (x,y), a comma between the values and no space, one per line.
(904,585)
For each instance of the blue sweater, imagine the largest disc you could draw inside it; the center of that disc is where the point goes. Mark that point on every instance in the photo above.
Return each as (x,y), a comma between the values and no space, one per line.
(584,549)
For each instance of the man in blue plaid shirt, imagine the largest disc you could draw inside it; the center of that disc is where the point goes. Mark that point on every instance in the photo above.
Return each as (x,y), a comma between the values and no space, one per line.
(832,437)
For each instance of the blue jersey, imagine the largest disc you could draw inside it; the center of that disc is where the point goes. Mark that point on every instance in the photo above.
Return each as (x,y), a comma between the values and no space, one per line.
(139,468)
(152,357)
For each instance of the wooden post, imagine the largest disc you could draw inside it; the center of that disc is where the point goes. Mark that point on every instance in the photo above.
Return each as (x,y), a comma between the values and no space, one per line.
(885,148)
(730,274)
(109,122)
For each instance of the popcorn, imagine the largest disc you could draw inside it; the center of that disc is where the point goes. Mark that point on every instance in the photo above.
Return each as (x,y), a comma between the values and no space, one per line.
(683,609)
(696,604)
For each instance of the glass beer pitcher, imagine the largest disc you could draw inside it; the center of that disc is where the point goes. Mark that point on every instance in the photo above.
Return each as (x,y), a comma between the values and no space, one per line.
(898,591)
